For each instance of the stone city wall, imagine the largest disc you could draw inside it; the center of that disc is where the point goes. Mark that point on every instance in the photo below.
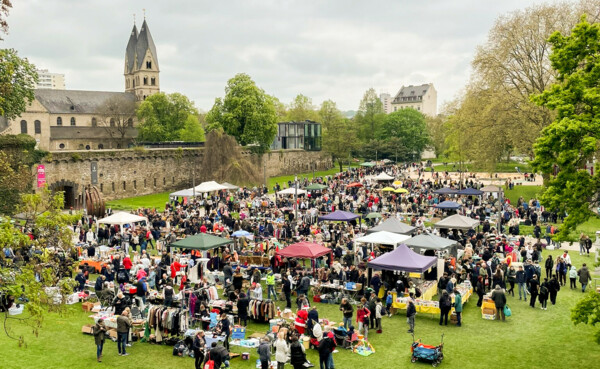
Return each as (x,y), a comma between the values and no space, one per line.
(135,172)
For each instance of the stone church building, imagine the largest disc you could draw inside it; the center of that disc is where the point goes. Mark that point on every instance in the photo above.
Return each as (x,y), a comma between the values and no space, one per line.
(62,120)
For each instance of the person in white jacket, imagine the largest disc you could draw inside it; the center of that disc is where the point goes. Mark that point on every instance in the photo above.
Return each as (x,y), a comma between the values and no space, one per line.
(282,350)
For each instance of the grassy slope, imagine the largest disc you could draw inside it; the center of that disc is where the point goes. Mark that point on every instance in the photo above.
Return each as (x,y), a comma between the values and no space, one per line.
(529,339)
(158,200)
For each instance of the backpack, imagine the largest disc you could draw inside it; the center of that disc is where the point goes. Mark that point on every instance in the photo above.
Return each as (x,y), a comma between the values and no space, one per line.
(543,290)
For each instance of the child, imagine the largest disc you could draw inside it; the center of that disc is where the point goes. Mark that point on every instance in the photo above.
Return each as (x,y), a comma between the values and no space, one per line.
(388,304)
(378,307)
(362,317)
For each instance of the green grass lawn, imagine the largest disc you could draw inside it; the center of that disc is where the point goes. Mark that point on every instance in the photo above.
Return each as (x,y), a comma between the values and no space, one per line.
(158,200)
(531,338)
(500,167)
(528,192)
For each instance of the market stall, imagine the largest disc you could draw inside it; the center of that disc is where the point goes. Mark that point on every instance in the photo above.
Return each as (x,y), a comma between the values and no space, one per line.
(383,176)
(440,245)
(457,221)
(382,238)
(448,205)
(393,225)
(122,218)
(339,215)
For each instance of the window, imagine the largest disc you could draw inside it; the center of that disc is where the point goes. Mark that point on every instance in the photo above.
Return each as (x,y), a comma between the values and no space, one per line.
(61,146)
(134,82)
(148,65)
(23,126)
(144,182)
(94,122)
(395,108)
(101,187)
(164,181)
(153,81)
(100,146)
(145,80)
(37,126)
(112,122)
(113,186)
(59,121)
(129,122)
(87,147)
(72,121)
(124,185)
(135,184)
(154,182)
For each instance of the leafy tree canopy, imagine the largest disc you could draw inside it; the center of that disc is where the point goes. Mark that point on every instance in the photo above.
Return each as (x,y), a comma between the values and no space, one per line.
(17,81)
(339,137)
(301,109)
(370,115)
(168,117)
(573,139)
(407,125)
(246,113)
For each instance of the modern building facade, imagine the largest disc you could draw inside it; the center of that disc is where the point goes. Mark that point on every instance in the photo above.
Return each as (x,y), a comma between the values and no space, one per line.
(422,98)
(386,101)
(74,120)
(48,80)
(304,135)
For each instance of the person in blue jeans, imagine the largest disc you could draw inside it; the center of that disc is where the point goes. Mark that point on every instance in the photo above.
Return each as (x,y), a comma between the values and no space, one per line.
(123,326)
(99,336)
(347,309)
(522,283)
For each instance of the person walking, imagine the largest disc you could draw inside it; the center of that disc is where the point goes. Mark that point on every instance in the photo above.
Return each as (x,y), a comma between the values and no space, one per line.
(347,310)
(549,265)
(282,350)
(362,317)
(99,331)
(123,326)
(553,288)
(378,308)
(225,329)
(573,277)
(544,292)
(445,306)
(499,299)
(199,343)
(325,348)
(584,277)
(411,311)
(534,290)
(458,307)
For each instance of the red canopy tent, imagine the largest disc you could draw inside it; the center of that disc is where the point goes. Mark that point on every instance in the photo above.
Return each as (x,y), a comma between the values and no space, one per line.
(304,250)
(355,184)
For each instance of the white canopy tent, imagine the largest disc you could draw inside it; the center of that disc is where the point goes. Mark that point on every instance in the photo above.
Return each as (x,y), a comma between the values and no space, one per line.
(189,192)
(457,221)
(121,218)
(382,238)
(383,176)
(210,186)
(291,191)
(230,186)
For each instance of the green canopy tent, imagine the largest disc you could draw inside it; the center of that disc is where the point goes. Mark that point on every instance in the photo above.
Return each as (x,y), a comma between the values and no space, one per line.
(202,242)
(316,187)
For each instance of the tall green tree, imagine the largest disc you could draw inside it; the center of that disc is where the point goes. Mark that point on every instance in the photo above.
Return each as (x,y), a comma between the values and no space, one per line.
(370,115)
(49,262)
(339,137)
(246,113)
(301,109)
(573,138)
(168,117)
(587,311)
(17,81)
(407,125)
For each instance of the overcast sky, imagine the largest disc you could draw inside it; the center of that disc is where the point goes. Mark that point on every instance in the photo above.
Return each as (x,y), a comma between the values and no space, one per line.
(324,49)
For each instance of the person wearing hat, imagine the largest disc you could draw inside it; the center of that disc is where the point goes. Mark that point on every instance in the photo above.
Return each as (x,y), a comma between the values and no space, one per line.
(99,332)
(199,343)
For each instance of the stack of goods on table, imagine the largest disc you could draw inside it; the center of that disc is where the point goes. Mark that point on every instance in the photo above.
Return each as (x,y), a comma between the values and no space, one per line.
(488,308)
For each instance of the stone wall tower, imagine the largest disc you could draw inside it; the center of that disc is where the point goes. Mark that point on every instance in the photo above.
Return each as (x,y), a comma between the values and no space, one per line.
(141,64)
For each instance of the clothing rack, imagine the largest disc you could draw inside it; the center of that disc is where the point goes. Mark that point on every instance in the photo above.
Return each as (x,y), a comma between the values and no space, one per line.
(167,321)
(262,311)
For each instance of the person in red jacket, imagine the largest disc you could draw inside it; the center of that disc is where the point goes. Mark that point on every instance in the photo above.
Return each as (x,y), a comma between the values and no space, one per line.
(362,317)
(300,323)
(127,264)
(175,267)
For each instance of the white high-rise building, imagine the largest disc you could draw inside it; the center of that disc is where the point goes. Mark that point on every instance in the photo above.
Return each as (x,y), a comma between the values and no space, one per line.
(386,100)
(54,81)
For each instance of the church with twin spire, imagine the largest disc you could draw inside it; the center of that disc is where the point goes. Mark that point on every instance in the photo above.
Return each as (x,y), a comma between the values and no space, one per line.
(66,120)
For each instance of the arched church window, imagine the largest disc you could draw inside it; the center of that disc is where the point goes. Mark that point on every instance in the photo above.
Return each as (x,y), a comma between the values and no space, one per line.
(23,126)
(148,65)
(59,121)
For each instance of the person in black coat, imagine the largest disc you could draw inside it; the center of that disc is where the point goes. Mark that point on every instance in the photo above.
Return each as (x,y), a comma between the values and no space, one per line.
(287,291)
(553,288)
(225,329)
(445,306)
(297,354)
(80,278)
(326,346)
(242,305)
(199,343)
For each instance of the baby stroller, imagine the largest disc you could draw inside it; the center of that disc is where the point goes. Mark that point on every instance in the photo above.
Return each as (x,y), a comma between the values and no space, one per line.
(429,353)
